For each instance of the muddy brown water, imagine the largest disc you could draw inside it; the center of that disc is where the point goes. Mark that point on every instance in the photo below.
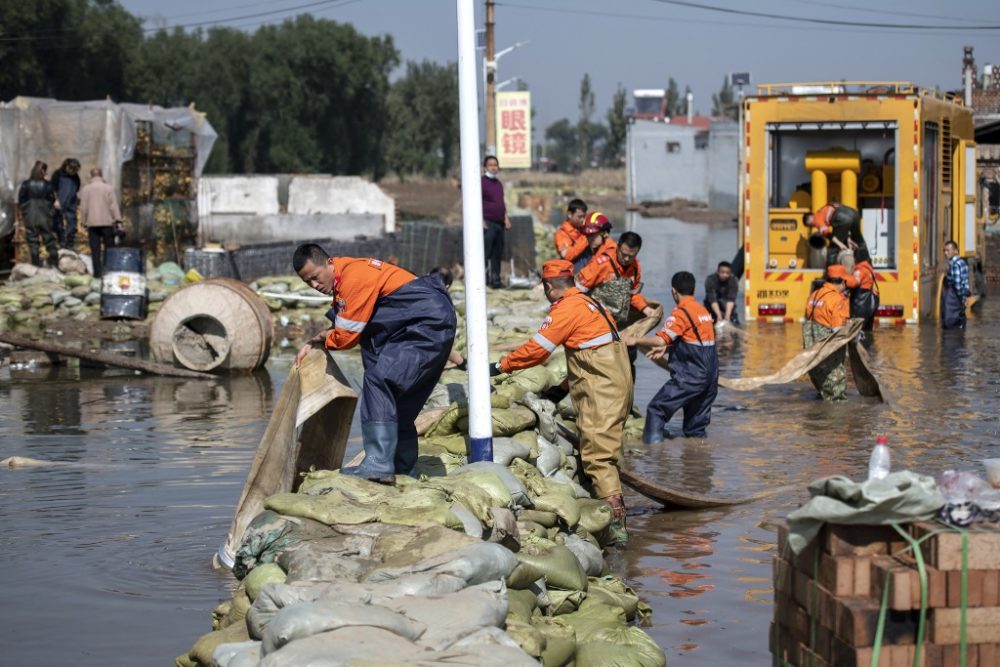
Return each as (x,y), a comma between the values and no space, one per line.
(106,560)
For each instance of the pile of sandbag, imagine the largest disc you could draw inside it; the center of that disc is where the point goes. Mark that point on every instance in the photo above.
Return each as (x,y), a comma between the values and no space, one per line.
(488,563)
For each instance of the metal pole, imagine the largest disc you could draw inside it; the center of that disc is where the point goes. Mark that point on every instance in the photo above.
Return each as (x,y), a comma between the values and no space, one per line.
(490,83)
(480,417)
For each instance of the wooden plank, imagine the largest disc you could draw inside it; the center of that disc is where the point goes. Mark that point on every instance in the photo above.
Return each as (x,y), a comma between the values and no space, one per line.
(944,549)
(982,625)
(809,658)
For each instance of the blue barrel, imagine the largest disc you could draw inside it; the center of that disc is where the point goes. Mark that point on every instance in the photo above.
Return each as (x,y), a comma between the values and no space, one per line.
(123,285)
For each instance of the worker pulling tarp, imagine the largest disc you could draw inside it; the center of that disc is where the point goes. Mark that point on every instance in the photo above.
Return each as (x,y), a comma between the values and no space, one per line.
(814,355)
(308,429)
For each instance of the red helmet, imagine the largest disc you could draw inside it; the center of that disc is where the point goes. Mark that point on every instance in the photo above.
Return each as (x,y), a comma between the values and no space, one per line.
(595,222)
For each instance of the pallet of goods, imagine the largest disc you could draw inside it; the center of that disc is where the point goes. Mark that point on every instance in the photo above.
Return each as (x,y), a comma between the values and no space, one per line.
(924,594)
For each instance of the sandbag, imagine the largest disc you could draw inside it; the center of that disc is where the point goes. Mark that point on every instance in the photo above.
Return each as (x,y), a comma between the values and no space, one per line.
(266,536)
(248,657)
(309,618)
(268,573)
(560,642)
(455,443)
(474,563)
(518,494)
(544,519)
(527,637)
(366,492)
(549,457)
(496,656)
(470,522)
(590,620)
(613,592)
(485,479)
(405,546)
(531,528)
(223,654)
(564,602)
(324,559)
(451,617)
(201,653)
(343,647)
(506,421)
(590,557)
(563,505)
(232,611)
(506,450)
(524,575)
(620,647)
(331,508)
(418,506)
(559,567)
(595,514)
(521,603)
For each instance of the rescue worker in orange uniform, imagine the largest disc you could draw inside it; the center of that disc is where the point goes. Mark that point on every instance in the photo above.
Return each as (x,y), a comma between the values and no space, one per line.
(599,384)
(689,333)
(405,326)
(571,244)
(826,311)
(864,295)
(613,261)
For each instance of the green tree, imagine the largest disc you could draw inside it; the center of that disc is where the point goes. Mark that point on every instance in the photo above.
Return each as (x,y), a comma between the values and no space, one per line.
(423,120)
(585,141)
(561,144)
(673,98)
(68,49)
(614,145)
(723,102)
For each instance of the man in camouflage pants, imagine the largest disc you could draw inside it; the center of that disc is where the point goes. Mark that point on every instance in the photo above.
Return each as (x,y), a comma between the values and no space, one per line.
(827,310)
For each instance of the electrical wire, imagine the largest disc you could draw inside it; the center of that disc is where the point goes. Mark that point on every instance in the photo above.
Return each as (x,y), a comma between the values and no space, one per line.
(821,21)
(869,10)
(738,24)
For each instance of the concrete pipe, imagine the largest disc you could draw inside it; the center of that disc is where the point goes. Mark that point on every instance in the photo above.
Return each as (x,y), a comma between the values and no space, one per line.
(218,324)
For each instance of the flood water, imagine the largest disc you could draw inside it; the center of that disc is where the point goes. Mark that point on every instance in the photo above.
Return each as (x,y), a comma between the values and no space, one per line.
(107,557)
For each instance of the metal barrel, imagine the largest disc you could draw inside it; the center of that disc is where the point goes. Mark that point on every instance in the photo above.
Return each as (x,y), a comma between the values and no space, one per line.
(123,285)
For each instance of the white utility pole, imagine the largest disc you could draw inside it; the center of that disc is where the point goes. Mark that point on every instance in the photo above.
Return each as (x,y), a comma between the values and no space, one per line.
(480,416)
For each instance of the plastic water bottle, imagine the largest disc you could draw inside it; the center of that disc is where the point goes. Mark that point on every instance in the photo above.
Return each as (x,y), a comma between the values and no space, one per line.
(878,464)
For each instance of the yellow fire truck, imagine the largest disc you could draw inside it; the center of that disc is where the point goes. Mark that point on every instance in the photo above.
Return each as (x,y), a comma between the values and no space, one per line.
(903,156)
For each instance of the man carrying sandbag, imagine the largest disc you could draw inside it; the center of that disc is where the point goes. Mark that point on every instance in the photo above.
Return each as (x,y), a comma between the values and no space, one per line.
(599,382)
(406,327)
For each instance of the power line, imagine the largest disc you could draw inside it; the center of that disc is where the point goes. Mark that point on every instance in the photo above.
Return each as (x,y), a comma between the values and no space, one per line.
(819,21)
(738,24)
(56,34)
(869,10)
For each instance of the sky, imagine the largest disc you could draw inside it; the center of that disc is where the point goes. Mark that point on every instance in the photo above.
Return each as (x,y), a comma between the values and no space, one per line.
(641,43)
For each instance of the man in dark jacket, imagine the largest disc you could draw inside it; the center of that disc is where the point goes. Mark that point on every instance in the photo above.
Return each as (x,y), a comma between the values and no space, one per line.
(35,203)
(721,291)
(495,220)
(66,186)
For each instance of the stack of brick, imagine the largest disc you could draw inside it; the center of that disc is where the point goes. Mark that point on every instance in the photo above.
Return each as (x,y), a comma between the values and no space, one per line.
(827,599)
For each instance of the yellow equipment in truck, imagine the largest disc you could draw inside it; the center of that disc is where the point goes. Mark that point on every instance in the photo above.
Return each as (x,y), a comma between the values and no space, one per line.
(903,156)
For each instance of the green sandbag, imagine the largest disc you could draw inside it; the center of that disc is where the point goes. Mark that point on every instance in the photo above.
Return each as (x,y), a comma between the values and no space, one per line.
(564,506)
(527,637)
(634,426)
(526,473)
(267,573)
(595,515)
(456,443)
(418,506)
(76,280)
(366,492)
(332,508)
(438,465)
(201,653)
(448,424)
(531,528)
(557,564)
(560,642)
(612,591)
(488,482)
(521,603)
(474,497)
(506,421)
(620,647)
(529,438)
(565,602)
(544,519)
(518,383)
(523,576)
(590,620)
(232,611)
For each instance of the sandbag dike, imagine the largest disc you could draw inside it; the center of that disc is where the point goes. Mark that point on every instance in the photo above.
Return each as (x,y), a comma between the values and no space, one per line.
(484,564)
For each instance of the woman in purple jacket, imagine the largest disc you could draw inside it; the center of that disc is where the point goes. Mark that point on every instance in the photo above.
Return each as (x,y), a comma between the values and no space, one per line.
(495,220)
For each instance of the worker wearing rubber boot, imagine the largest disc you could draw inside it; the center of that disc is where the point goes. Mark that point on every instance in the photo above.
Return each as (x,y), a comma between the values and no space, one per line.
(864,293)
(694,365)
(599,384)
(406,327)
(571,243)
(826,311)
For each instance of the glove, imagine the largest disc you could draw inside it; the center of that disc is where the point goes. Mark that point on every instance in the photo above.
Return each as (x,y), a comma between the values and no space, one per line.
(464,366)
(495,369)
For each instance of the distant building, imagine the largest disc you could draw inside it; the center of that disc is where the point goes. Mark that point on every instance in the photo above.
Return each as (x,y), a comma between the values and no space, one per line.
(688,157)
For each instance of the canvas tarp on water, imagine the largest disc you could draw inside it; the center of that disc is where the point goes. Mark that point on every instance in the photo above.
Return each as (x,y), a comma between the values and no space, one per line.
(309,427)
